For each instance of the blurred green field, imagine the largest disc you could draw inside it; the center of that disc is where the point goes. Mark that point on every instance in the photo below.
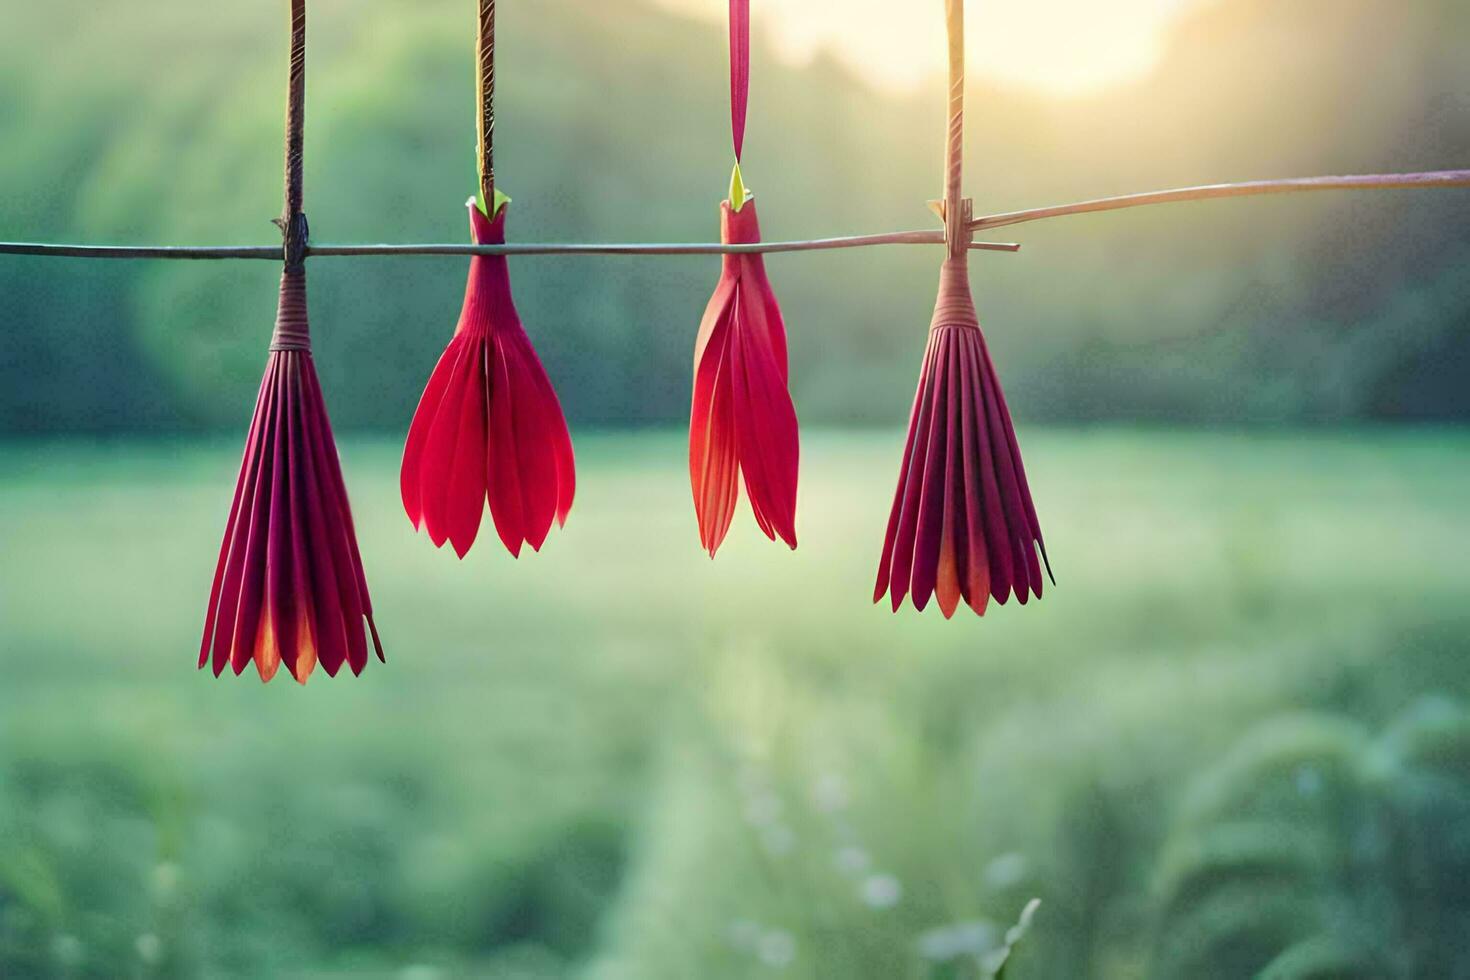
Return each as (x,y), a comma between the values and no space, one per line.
(617,759)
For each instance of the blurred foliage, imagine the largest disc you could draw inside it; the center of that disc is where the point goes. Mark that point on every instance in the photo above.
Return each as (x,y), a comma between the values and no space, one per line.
(129,123)
(1232,736)
(1313,851)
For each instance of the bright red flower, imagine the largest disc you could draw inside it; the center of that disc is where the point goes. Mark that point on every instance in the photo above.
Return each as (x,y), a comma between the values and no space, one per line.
(489,426)
(742,420)
(289,587)
(963,525)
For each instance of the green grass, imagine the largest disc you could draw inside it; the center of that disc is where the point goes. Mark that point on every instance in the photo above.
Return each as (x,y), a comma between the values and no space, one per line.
(619,759)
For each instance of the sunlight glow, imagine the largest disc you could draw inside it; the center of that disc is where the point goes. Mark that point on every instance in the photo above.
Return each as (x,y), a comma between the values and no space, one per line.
(1062,47)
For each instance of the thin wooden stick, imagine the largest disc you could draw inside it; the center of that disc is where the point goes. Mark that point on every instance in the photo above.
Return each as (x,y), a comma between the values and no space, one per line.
(1362,182)
(954,151)
(292,222)
(518,248)
(485,73)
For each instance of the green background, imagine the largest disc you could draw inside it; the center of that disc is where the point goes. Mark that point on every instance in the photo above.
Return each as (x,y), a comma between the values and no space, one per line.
(1233,739)
(162,123)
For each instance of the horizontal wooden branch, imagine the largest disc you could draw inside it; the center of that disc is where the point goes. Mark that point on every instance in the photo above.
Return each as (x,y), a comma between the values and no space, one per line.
(1437,178)
(514,248)
(1362,182)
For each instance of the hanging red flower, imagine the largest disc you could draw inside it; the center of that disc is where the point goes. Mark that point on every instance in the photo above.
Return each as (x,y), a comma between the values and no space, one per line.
(742,422)
(963,525)
(742,419)
(489,425)
(289,587)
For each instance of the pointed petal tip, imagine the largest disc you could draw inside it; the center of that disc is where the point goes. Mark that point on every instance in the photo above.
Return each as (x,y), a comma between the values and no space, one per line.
(377,642)
(1041,546)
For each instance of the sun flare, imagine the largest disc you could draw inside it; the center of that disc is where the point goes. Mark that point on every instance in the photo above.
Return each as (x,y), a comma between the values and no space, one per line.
(1063,47)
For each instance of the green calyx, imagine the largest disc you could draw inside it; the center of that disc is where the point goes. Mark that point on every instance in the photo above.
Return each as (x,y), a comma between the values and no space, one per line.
(501,200)
(739,193)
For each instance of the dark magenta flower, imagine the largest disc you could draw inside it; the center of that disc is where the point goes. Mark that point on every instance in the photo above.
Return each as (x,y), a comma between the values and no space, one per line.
(963,525)
(489,426)
(742,423)
(289,587)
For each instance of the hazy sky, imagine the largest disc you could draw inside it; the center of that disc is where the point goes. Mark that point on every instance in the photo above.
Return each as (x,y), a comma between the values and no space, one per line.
(1062,46)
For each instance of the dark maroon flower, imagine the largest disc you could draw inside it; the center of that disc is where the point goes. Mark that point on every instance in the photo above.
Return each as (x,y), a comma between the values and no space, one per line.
(289,587)
(963,525)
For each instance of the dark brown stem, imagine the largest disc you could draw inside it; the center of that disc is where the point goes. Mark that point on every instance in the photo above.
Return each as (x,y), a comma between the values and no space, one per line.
(292,221)
(486,75)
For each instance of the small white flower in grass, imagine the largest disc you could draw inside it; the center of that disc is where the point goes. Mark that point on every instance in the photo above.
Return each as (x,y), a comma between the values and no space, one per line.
(829,793)
(881,891)
(937,944)
(1005,871)
(149,947)
(777,949)
(976,936)
(852,860)
(743,933)
(973,938)
(778,840)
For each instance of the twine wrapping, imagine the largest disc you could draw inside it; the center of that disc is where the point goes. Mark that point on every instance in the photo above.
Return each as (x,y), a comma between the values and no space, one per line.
(292,330)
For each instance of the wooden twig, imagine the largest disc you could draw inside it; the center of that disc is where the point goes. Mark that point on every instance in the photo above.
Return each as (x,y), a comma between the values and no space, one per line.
(957,233)
(1434,178)
(485,75)
(515,248)
(292,221)
(1362,182)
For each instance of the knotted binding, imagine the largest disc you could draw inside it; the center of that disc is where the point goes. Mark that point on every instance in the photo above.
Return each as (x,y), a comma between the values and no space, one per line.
(292,329)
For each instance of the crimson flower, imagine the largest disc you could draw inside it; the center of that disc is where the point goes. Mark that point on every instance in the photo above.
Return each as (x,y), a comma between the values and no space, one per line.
(963,525)
(488,426)
(289,587)
(742,420)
